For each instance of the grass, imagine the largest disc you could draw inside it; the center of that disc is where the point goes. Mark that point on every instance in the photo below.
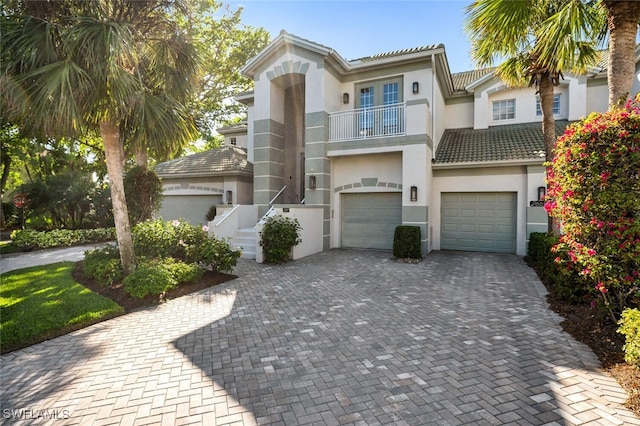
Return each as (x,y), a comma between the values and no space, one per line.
(43,302)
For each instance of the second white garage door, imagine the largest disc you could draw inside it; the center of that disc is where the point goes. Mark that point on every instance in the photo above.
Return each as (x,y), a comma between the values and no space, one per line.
(369,220)
(479,221)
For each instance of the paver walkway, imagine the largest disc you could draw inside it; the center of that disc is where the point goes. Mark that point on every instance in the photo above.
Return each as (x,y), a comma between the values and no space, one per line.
(341,337)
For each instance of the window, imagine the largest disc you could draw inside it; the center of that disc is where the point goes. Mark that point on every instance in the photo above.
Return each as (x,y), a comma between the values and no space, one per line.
(556,105)
(375,96)
(504,110)
(233,141)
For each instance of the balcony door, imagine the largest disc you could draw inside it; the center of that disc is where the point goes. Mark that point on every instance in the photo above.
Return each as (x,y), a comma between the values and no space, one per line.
(378,100)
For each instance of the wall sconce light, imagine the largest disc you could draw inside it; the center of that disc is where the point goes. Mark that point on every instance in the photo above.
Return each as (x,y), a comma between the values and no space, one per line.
(312,182)
(416,87)
(229,197)
(542,193)
(414,193)
(345,98)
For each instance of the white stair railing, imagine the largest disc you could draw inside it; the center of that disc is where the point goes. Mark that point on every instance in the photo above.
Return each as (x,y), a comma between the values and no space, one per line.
(277,195)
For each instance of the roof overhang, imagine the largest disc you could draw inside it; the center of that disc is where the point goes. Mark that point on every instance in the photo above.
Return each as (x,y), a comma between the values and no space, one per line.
(487,164)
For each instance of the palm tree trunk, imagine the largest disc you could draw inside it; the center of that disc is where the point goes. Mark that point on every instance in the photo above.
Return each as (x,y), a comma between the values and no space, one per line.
(114,158)
(622,19)
(142,158)
(548,130)
(548,122)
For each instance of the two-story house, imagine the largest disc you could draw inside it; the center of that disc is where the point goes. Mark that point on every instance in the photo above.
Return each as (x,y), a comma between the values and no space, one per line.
(396,138)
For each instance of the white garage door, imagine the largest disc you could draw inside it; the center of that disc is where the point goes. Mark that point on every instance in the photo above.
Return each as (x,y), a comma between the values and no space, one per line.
(482,221)
(192,208)
(369,220)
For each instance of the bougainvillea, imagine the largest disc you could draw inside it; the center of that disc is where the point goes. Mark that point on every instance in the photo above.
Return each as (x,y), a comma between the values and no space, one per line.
(594,192)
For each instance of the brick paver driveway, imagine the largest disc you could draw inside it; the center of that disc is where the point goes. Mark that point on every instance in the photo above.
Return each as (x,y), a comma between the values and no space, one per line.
(336,338)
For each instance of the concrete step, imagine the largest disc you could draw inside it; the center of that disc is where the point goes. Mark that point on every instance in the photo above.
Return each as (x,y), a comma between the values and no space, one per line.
(245,239)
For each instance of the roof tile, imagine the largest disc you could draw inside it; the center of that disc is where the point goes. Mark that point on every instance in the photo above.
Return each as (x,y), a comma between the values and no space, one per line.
(223,160)
(498,143)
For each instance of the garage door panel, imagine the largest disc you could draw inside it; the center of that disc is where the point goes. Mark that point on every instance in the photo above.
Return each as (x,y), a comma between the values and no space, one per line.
(369,220)
(192,208)
(478,222)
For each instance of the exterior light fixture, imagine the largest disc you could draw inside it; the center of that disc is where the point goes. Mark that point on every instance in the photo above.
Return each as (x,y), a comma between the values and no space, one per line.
(414,193)
(229,197)
(312,182)
(542,193)
(416,87)
(345,98)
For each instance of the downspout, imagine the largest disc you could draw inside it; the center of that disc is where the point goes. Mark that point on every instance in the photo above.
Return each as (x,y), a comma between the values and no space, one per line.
(433,107)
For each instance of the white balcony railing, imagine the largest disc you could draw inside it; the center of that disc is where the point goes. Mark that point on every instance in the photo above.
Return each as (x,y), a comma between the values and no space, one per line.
(365,123)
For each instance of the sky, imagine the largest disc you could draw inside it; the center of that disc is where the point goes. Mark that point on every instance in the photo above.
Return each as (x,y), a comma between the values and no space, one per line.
(358,28)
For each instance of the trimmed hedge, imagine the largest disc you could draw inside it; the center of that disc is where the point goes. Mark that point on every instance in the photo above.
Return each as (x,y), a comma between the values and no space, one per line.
(542,254)
(28,239)
(406,242)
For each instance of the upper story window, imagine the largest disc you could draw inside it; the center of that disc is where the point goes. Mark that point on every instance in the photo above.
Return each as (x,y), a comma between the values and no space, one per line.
(378,93)
(504,109)
(556,105)
(377,99)
(233,141)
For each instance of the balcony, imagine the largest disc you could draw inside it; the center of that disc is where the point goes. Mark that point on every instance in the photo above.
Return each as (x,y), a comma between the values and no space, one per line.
(367,123)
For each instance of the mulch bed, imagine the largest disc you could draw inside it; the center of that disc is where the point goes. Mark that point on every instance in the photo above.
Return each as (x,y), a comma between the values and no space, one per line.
(595,328)
(130,304)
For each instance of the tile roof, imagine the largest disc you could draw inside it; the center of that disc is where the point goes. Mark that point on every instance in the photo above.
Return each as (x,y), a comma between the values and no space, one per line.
(465,78)
(497,143)
(220,161)
(398,53)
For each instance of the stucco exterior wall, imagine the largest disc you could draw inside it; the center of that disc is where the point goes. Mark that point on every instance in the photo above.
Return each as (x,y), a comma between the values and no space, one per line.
(458,113)
(597,95)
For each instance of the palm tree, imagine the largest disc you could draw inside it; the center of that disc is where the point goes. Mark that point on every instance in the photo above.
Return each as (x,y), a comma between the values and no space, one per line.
(622,24)
(619,19)
(516,33)
(107,67)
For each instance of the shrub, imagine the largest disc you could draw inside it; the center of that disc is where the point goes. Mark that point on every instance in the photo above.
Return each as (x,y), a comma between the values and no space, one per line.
(143,190)
(406,242)
(103,265)
(594,189)
(176,238)
(217,254)
(566,283)
(29,239)
(185,242)
(630,328)
(211,213)
(279,235)
(157,276)
(148,279)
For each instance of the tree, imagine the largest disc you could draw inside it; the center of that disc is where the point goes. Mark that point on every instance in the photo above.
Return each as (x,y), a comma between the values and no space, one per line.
(228,46)
(517,33)
(144,193)
(108,67)
(622,24)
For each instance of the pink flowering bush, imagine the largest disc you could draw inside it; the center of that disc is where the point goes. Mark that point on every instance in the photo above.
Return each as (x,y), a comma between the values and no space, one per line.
(594,192)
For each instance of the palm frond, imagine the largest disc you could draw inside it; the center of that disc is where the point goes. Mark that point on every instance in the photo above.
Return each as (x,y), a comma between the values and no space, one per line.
(565,40)
(499,28)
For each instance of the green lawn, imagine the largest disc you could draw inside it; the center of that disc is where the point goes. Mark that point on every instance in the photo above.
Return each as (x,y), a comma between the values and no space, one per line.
(43,302)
